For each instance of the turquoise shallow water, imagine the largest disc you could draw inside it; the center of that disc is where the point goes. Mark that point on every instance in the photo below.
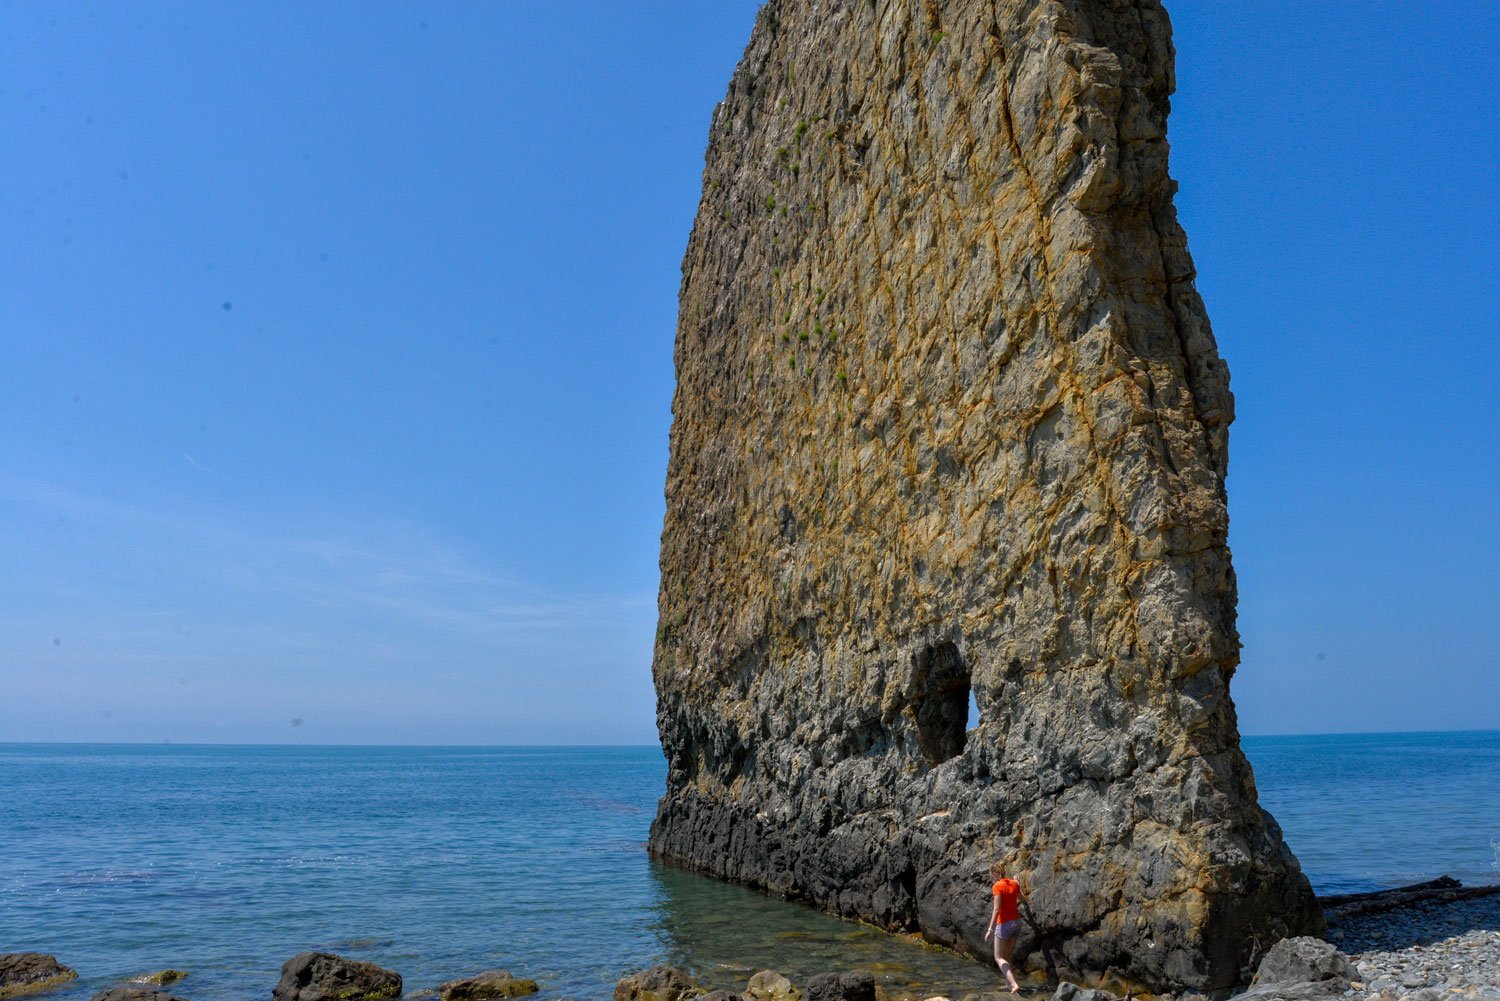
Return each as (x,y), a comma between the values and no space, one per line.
(439,862)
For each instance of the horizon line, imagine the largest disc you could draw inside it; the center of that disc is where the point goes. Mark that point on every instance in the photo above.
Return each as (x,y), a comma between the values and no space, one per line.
(559,747)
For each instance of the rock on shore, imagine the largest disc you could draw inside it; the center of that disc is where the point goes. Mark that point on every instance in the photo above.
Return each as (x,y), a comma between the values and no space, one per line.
(659,983)
(771,985)
(25,972)
(323,976)
(1439,952)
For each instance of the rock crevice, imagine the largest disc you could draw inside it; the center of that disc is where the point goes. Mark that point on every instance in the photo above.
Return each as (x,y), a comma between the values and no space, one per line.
(950,421)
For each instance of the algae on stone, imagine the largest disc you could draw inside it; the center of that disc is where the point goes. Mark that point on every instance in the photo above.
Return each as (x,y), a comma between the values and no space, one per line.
(31,972)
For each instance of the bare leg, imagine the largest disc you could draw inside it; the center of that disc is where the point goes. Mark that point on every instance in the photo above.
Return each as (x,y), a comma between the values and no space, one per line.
(1003,948)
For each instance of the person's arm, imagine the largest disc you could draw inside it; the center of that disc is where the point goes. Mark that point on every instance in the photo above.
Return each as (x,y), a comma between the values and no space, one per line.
(994,913)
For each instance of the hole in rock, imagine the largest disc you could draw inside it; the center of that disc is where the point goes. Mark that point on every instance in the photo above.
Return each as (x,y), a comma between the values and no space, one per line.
(942,702)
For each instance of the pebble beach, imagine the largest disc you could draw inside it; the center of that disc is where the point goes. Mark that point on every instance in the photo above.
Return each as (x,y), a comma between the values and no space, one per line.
(1429,951)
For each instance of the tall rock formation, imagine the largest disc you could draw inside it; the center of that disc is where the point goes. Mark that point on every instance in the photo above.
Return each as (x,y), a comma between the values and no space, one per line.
(949,420)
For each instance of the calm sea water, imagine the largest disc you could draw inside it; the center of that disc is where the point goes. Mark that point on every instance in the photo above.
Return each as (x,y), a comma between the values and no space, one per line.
(1368,811)
(440,862)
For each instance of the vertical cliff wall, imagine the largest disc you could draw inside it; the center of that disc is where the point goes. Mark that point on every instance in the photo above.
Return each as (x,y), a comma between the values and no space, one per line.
(950,423)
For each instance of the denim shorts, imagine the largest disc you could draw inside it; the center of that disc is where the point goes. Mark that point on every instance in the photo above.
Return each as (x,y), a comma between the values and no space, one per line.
(1008,929)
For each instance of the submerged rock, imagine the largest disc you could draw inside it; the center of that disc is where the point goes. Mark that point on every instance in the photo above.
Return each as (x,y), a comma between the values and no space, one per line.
(25,972)
(485,986)
(323,976)
(659,983)
(161,977)
(950,424)
(134,994)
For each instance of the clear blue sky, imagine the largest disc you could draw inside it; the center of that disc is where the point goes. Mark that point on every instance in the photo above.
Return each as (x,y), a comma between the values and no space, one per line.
(335,359)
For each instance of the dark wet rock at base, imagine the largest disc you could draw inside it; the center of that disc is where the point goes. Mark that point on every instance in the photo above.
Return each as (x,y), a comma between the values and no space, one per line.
(856,986)
(323,976)
(721,996)
(134,994)
(487,986)
(24,972)
(659,983)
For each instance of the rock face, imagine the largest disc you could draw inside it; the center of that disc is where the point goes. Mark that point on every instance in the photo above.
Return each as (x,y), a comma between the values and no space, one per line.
(24,972)
(950,421)
(323,976)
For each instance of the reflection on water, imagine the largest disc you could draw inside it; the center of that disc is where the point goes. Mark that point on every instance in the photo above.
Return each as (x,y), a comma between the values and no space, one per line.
(724,934)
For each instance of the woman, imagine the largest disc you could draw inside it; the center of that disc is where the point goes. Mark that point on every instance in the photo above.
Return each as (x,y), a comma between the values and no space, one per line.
(1005,921)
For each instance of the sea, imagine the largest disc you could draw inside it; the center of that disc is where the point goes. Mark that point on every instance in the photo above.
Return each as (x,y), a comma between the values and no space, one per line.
(440,862)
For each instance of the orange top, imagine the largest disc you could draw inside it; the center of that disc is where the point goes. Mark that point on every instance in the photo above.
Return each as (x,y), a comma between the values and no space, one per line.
(1009,892)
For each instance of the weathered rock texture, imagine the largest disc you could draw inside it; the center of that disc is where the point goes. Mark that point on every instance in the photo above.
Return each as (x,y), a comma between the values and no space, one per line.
(491,985)
(323,976)
(660,983)
(25,972)
(950,417)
